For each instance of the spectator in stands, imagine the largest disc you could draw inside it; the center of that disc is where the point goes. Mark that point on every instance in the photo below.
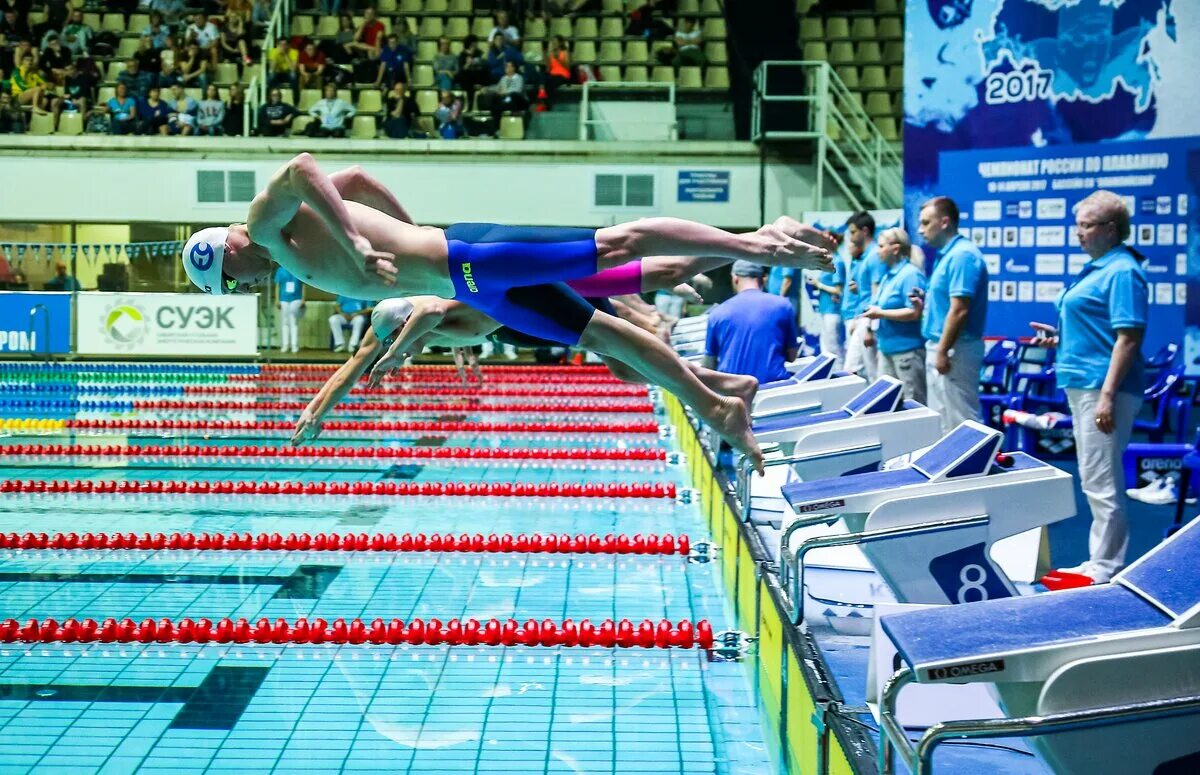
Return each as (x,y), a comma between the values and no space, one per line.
(204,34)
(54,59)
(752,333)
(231,47)
(291,308)
(136,80)
(898,322)
(236,9)
(122,112)
(76,35)
(156,31)
(955,310)
(331,7)
(311,66)
(177,93)
(172,11)
(473,71)
(401,110)
(169,76)
(195,68)
(828,286)
(62,280)
(24,47)
(235,120)
(98,121)
(649,20)
(332,114)
(506,28)
(283,62)
(445,65)
(153,113)
(558,66)
(368,38)
(148,57)
(862,277)
(27,85)
(687,45)
(170,53)
(12,120)
(406,28)
(275,117)
(572,8)
(260,15)
(395,63)
(1101,324)
(79,90)
(500,53)
(182,119)
(340,51)
(448,116)
(210,117)
(355,313)
(508,95)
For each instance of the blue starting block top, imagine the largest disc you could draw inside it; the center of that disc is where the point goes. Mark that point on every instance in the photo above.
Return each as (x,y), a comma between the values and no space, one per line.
(972,632)
(883,395)
(824,490)
(819,368)
(1169,575)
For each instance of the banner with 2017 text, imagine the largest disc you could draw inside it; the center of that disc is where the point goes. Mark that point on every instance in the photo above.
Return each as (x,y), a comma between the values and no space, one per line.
(166,324)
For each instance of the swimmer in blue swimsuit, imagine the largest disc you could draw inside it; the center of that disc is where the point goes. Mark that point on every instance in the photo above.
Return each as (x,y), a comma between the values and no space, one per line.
(347,234)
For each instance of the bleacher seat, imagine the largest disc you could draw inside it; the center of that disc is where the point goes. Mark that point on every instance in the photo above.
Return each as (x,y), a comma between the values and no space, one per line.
(431,27)
(436,6)
(612,27)
(461,6)
(92,20)
(104,94)
(637,74)
(611,51)
(300,123)
(584,52)
(137,23)
(370,101)
(70,123)
(195,92)
(849,76)
(227,72)
(811,29)
(586,27)
(612,6)
(536,29)
(895,77)
(711,6)
(427,100)
(512,128)
(714,28)
(842,53)
(868,53)
(863,28)
(345,95)
(873,78)
(716,77)
(363,128)
(561,25)
(690,78)
(457,28)
(887,127)
(878,104)
(663,74)
(893,51)
(387,6)
(327,27)
(480,27)
(688,7)
(890,28)
(636,52)
(308,98)
(610,73)
(815,52)
(715,53)
(426,50)
(302,26)
(411,6)
(533,52)
(127,47)
(837,28)
(250,72)
(41,124)
(887,6)
(422,76)
(115,68)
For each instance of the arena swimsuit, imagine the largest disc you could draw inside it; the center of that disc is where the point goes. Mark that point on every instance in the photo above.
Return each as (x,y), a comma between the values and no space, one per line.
(515,273)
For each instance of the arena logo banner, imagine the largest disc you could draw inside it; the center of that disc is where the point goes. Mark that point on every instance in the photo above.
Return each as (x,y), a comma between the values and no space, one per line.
(35,322)
(1043,76)
(167,324)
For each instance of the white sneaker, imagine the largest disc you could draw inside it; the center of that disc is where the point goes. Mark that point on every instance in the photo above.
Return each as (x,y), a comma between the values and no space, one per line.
(1161,493)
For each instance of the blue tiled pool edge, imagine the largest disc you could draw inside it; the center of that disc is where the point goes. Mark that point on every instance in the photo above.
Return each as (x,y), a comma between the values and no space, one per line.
(797,697)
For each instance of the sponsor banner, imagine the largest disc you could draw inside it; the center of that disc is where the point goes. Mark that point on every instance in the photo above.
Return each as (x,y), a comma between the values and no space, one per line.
(167,324)
(35,322)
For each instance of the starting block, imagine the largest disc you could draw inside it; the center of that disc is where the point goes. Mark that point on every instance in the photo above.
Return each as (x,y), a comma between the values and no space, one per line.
(814,387)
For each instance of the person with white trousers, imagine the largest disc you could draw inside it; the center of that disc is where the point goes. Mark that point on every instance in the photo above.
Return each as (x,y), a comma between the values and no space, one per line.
(861,279)
(353,312)
(1101,323)
(828,286)
(291,308)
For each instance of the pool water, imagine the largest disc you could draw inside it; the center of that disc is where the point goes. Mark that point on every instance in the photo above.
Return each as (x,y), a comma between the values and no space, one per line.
(251,707)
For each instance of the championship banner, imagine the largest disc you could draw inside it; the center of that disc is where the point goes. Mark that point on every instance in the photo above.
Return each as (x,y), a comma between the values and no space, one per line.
(166,324)
(35,322)
(1018,109)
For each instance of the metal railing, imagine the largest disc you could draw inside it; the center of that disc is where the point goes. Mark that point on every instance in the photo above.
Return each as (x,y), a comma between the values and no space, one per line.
(850,149)
(586,122)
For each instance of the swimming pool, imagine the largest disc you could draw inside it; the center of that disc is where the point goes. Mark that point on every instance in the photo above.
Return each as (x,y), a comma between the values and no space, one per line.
(153,458)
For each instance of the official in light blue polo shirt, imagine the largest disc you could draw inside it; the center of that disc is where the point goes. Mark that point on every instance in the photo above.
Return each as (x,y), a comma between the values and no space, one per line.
(775,283)
(898,327)
(1102,320)
(291,308)
(955,311)
(353,312)
(751,333)
(829,287)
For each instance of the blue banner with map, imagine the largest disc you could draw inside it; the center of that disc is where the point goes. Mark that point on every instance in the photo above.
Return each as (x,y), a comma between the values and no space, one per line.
(1020,108)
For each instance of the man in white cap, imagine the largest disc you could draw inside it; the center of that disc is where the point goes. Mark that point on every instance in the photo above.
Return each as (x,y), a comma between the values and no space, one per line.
(346,234)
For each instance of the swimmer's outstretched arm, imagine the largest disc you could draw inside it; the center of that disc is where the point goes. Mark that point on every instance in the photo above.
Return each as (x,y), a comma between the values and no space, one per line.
(308,427)
(298,182)
(427,315)
(355,185)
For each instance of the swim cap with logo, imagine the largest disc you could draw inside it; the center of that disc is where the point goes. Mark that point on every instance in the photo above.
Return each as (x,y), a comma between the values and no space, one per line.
(204,258)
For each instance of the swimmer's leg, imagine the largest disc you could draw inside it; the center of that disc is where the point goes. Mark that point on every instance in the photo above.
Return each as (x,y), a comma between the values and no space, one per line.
(785,242)
(735,385)
(727,415)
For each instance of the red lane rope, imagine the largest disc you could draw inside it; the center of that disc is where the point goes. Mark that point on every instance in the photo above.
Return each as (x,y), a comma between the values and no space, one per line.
(409,453)
(640,407)
(550,391)
(378,542)
(364,425)
(471,632)
(390,487)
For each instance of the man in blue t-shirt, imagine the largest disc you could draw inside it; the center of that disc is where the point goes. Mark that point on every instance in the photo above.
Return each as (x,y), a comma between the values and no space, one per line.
(355,313)
(291,307)
(752,333)
(954,312)
(862,278)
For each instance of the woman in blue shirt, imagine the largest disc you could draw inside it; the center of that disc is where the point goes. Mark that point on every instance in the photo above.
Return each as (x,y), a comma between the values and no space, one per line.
(291,307)
(1102,320)
(898,330)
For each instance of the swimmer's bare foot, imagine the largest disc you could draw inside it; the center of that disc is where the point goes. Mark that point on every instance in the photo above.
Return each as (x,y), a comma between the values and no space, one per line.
(731,421)
(806,233)
(787,243)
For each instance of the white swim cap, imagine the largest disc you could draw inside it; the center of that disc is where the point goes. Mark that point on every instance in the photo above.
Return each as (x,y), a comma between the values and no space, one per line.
(204,257)
(389,316)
